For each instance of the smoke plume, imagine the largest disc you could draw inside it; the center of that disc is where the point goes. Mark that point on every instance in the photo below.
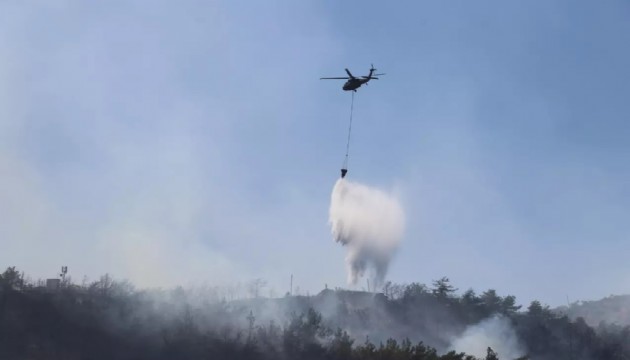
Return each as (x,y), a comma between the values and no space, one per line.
(370,223)
(495,332)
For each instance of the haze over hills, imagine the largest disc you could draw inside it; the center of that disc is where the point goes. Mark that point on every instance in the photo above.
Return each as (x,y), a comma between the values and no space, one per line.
(191,138)
(109,319)
(614,309)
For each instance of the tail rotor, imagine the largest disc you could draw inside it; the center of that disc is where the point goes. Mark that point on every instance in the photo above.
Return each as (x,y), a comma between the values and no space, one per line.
(372,74)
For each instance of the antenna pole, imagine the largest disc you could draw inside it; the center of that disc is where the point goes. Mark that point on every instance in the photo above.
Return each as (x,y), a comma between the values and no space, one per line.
(64,271)
(570,330)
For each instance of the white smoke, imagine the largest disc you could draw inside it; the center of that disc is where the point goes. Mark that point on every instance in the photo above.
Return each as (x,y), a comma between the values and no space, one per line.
(495,332)
(370,223)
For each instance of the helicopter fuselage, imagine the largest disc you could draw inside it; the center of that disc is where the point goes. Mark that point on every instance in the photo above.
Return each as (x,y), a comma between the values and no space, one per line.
(353,84)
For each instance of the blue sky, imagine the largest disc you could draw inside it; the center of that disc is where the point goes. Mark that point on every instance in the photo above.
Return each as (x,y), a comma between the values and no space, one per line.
(173,143)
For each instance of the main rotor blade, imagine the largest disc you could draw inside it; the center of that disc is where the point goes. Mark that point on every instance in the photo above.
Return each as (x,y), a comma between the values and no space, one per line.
(349,74)
(328,78)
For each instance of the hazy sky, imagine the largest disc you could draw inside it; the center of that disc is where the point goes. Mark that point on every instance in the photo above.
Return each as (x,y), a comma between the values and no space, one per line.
(176,142)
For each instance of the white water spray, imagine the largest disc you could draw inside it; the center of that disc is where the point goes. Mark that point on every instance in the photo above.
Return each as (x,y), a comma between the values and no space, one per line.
(370,223)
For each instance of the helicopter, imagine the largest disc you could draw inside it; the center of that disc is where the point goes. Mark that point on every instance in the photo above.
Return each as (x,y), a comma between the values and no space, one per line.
(354,82)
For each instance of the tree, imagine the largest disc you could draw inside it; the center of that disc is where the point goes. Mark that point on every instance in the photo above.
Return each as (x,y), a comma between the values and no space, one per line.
(509,305)
(341,345)
(11,279)
(396,291)
(470,300)
(536,310)
(442,289)
(301,335)
(102,286)
(492,301)
(415,290)
(471,308)
(491,354)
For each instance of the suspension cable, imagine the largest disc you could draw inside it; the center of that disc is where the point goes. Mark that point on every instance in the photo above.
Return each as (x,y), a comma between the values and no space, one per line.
(344,169)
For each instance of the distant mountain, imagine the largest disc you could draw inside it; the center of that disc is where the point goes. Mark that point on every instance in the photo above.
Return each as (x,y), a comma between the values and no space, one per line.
(614,309)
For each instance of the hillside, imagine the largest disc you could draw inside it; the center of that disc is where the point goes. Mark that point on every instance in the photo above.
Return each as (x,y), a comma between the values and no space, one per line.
(108,319)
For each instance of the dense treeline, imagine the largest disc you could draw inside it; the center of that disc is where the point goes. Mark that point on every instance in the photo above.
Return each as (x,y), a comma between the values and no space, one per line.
(108,319)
